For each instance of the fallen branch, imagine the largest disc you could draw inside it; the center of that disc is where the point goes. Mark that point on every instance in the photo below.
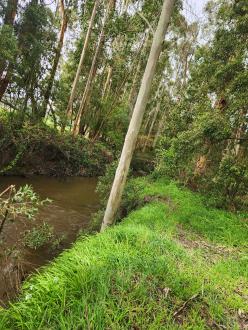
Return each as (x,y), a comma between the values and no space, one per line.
(4,192)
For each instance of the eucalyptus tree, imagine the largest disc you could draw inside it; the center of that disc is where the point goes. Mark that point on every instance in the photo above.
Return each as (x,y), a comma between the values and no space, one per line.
(204,141)
(33,40)
(138,113)
(69,109)
(126,54)
(88,87)
(35,43)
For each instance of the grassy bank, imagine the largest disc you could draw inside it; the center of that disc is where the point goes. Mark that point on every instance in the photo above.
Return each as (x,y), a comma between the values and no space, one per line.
(171,264)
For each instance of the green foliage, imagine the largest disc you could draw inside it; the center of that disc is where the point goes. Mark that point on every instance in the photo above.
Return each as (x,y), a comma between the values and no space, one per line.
(27,48)
(209,124)
(22,202)
(105,182)
(38,236)
(42,235)
(115,126)
(42,150)
(232,179)
(8,45)
(173,264)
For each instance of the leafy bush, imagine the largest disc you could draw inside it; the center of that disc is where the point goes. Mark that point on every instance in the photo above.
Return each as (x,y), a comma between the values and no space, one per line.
(23,202)
(38,236)
(232,179)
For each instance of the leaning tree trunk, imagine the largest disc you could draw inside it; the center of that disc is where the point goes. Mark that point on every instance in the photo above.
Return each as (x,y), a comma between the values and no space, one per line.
(133,93)
(63,28)
(136,120)
(8,20)
(81,62)
(87,91)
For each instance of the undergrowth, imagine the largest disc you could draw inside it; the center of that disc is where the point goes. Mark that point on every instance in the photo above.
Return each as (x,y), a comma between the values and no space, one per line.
(29,148)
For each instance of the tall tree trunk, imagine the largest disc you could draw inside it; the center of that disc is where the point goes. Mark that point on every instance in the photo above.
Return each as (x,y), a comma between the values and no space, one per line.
(63,28)
(107,83)
(87,91)
(81,62)
(9,19)
(133,93)
(136,120)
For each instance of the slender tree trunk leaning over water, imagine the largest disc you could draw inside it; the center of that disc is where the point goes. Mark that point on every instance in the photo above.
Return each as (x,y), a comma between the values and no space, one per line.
(81,62)
(136,120)
(63,28)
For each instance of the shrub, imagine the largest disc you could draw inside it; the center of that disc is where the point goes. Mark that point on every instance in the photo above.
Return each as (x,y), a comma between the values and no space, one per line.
(38,236)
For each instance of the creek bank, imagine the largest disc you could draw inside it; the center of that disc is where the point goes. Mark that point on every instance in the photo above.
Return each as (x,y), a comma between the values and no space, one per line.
(141,274)
(40,150)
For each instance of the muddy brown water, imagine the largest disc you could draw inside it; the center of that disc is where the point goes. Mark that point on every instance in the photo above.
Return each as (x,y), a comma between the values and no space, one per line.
(74,201)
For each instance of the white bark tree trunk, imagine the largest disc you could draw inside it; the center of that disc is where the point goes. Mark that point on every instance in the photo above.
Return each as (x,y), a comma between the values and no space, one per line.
(138,113)
(133,93)
(107,84)
(81,62)
(87,90)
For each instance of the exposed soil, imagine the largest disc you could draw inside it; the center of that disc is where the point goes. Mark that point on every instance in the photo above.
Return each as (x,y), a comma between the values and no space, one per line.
(210,251)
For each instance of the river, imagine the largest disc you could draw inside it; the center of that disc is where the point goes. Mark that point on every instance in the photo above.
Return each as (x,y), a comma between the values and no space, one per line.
(74,201)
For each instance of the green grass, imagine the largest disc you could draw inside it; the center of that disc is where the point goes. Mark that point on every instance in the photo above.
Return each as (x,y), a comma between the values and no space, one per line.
(172,264)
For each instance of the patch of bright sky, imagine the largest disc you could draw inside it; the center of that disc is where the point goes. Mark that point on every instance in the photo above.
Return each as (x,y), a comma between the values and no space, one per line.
(194,10)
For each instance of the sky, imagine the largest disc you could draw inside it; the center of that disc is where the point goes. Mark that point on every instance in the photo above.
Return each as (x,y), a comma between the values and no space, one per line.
(194,9)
